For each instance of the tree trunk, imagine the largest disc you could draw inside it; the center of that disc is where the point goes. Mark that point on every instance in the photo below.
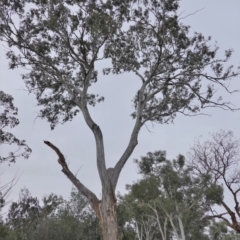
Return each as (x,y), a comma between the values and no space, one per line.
(108,216)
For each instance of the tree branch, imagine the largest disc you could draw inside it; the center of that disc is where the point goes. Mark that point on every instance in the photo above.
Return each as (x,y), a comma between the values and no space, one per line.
(98,138)
(133,139)
(234,224)
(83,189)
(221,217)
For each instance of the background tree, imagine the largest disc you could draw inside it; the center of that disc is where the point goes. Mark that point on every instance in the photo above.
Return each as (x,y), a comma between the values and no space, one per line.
(23,215)
(218,159)
(219,231)
(52,218)
(61,41)
(170,202)
(74,220)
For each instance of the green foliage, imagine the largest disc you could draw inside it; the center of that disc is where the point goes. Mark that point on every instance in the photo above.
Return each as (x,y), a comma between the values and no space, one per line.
(214,193)
(169,192)
(54,218)
(4,231)
(219,231)
(64,43)
(8,119)
(61,41)
(25,216)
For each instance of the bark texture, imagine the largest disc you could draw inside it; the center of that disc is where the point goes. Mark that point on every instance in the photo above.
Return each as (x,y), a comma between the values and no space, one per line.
(108,217)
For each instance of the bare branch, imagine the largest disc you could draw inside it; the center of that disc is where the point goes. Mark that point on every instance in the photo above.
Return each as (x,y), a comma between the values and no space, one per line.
(220,216)
(92,198)
(218,158)
(191,14)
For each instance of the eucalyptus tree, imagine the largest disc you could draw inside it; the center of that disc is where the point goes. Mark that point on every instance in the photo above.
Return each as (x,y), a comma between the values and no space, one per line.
(60,42)
(169,202)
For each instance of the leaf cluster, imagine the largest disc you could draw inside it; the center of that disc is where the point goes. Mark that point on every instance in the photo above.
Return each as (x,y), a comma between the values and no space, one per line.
(8,119)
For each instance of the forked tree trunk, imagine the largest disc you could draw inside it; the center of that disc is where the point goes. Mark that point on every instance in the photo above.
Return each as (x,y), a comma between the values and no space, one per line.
(108,217)
(106,210)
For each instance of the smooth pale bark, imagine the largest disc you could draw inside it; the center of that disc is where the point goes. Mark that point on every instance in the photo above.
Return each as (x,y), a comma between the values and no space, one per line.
(163,230)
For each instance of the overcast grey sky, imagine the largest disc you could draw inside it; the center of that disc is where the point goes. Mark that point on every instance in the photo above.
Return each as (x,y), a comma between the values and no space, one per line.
(41,173)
